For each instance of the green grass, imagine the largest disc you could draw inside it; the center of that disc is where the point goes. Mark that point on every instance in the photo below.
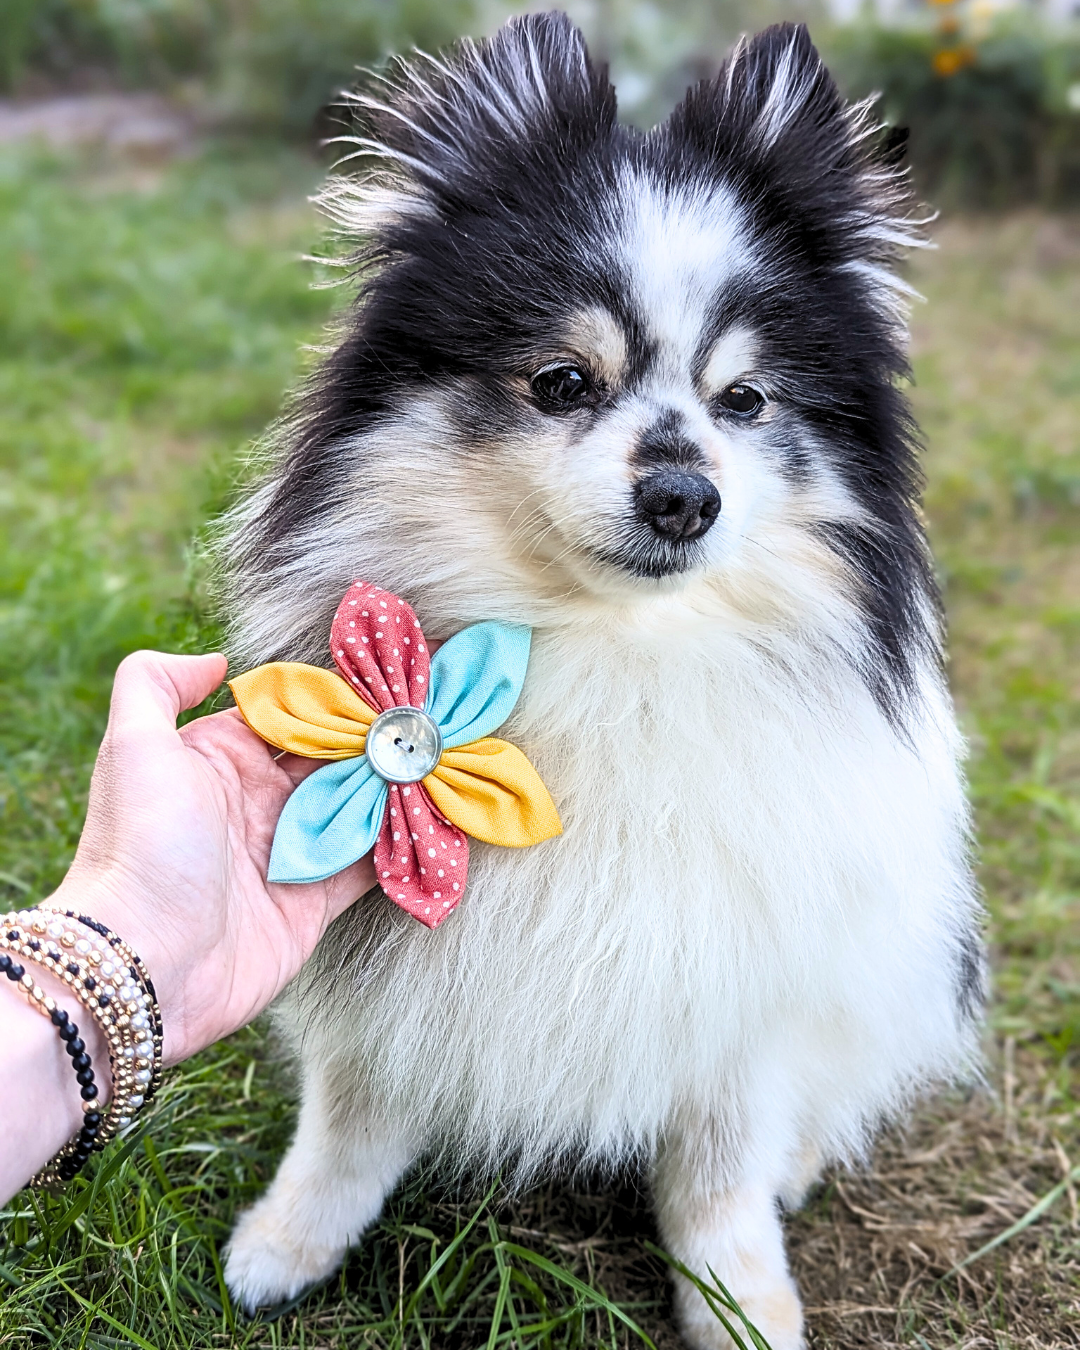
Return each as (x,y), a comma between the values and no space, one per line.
(998,361)
(149,321)
(148,324)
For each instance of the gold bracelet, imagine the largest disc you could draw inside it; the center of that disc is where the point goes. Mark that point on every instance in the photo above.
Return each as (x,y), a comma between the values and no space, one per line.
(111,983)
(67,1163)
(147,1017)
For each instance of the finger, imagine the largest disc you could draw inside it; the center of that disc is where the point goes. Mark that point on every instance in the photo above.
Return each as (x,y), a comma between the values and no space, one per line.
(298,767)
(347,887)
(219,728)
(220,724)
(152,688)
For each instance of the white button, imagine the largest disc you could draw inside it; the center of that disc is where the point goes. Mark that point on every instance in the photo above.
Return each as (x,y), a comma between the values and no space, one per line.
(403,745)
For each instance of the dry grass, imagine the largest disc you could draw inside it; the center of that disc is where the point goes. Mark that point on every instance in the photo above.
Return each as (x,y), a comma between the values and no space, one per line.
(874,1250)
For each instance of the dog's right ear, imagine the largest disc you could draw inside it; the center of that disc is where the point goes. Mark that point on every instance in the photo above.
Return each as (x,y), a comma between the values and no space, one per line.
(442,135)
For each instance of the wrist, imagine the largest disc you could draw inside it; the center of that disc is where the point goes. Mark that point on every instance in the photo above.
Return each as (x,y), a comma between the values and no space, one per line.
(110,981)
(116,905)
(44,1108)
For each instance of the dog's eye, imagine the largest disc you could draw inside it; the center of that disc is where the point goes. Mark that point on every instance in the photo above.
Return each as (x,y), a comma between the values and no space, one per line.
(561,387)
(742,399)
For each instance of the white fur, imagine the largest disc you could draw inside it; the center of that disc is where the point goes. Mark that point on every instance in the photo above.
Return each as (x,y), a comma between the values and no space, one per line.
(736,884)
(748,918)
(731,359)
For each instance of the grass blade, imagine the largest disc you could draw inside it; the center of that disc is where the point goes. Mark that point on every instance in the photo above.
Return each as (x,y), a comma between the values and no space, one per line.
(500,1307)
(718,1298)
(572,1282)
(1036,1211)
(452,1247)
(116,1325)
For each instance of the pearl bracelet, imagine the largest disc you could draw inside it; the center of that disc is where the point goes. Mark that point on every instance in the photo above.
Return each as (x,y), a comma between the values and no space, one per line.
(112,984)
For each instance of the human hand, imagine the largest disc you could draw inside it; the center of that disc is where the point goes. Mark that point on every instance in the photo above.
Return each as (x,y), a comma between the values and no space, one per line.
(174,853)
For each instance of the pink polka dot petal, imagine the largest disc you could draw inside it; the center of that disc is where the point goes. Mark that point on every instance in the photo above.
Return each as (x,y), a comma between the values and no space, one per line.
(408,687)
(415,888)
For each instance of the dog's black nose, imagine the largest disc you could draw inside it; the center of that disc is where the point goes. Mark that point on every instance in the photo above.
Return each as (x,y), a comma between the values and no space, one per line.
(678,505)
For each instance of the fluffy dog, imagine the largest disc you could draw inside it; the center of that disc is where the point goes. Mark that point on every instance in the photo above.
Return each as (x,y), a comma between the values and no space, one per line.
(640,392)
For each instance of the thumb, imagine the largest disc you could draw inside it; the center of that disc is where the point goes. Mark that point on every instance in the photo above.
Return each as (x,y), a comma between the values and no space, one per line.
(151,689)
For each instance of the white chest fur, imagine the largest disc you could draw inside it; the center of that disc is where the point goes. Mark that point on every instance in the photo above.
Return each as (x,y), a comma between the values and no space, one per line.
(751,867)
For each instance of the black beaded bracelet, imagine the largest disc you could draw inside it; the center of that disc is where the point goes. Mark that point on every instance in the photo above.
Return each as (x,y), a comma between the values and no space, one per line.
(111,983)
(84,1075)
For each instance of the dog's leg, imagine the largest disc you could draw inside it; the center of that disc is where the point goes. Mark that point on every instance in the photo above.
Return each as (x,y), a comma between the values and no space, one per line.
(708,1219)
(329,1188)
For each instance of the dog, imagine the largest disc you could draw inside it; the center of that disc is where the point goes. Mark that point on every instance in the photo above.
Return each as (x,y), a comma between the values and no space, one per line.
(642,392)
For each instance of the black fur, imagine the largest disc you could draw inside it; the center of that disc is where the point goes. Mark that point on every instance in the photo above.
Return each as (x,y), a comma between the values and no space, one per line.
(970,978)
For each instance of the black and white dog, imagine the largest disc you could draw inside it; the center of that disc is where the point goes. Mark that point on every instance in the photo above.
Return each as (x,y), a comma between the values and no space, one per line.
(640,392)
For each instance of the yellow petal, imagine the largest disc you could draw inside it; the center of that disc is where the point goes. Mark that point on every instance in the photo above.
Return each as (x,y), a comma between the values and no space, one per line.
(491,791)
(304,709)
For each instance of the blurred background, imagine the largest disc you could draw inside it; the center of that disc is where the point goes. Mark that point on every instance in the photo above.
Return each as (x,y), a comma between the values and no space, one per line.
(156,302)
(989,88)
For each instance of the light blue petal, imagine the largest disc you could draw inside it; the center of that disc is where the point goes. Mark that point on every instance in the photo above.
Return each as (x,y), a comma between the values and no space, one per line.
(476,678)
(330,820)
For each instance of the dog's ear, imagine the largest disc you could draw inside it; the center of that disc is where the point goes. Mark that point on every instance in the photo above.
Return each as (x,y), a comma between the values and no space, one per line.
(511,109)
(774,126)
(772,89)
(773,102)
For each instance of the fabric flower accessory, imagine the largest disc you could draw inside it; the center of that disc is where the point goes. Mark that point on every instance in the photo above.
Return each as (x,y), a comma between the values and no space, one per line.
(415,770)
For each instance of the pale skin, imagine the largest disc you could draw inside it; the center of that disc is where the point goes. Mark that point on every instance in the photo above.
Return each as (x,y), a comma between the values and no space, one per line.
(173,858)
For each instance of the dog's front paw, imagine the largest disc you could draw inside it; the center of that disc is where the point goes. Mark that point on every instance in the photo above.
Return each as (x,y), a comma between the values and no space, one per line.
(775,1311)
(266,1263)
